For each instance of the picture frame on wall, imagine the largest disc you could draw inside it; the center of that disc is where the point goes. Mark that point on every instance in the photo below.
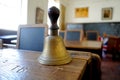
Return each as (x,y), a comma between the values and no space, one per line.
(39,15)
(107,13)
(81,12)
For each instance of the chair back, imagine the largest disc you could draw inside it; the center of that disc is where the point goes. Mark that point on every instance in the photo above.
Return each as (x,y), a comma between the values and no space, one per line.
(112,43)
(73,35)
(31,37)
(114,47)
(92,35)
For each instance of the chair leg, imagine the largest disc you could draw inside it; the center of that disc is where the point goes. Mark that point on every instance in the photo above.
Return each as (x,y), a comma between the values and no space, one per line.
(116,55)
(1,44)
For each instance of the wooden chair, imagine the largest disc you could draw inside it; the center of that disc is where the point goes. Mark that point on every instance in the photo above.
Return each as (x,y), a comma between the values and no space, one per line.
(73,35)
(62,34)
(31,37)
(114,47)
(92,35)
(112,43)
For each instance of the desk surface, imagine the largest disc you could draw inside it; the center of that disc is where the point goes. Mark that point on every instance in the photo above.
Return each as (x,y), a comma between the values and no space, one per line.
(23,65)
(84,44)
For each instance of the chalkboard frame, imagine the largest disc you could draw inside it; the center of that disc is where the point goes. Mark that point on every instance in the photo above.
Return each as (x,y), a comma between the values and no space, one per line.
(36,28)
(92,32)
(73,35)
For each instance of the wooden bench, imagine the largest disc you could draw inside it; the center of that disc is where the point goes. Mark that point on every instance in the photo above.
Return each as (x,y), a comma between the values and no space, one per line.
(7,40)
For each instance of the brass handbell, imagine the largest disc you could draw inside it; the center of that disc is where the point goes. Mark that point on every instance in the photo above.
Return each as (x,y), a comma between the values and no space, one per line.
(54,52)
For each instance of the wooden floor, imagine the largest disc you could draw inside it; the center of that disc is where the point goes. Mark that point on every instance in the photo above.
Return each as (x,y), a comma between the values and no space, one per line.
(110,68)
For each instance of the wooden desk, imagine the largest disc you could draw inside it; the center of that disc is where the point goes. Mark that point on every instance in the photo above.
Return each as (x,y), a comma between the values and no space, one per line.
(23,65)
(89,46)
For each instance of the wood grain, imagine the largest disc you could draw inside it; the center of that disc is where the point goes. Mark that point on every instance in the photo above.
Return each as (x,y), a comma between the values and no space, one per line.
(23,65)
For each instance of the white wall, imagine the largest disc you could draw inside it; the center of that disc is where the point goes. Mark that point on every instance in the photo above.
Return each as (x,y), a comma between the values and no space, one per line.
(31,13)
(95,8)
(64,2)
(24,12)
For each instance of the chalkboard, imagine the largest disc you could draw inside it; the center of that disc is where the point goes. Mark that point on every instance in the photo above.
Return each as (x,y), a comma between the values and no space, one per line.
(74,26)
(31,37)
(92,35)
(62,34)
(108,28)
(73,35)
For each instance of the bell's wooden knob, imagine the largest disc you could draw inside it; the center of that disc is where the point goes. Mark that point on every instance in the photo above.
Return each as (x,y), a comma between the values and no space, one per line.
(53,15)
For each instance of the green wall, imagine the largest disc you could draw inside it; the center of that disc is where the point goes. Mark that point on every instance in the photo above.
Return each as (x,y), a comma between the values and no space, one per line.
(109,28)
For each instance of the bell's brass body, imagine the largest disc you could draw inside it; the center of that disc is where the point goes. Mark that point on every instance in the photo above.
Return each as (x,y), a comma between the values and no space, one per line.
(54,52)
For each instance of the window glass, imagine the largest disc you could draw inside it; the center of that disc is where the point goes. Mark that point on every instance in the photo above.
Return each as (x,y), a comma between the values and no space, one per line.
(10,14)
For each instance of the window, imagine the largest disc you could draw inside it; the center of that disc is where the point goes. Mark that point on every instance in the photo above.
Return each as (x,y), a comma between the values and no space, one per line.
(10,14)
